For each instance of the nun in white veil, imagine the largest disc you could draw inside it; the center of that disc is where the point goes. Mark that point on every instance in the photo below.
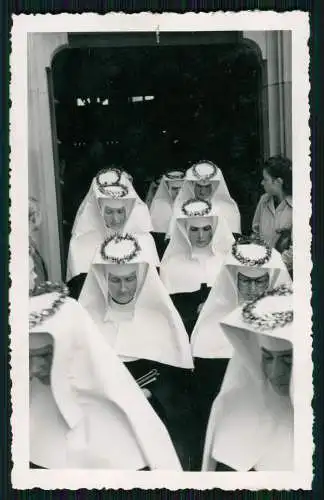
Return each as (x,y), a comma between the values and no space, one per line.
(205,181)
(110,206)
(248,270)
(86,411)
(199,243)
(251,421)
(132,309)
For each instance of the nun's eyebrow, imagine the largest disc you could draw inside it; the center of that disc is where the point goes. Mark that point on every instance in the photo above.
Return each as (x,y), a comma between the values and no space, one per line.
(281,354)
(269,353)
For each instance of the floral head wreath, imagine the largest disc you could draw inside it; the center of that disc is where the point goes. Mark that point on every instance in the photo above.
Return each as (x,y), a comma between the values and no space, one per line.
(37,318)
(204,170)
(196,208)
(125,242)
(268,320)
(175,175)
(115,176)
(250,261)
(115,190)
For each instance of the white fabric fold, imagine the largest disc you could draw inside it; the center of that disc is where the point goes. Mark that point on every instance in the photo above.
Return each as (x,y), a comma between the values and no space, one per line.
(105,420)
(208,339)
(250,426)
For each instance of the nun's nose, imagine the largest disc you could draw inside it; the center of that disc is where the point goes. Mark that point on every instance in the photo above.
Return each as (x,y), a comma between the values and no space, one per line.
(275,369)
(123,286)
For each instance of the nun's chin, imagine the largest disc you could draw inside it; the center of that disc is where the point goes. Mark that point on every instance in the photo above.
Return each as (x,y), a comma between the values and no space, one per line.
(281,389)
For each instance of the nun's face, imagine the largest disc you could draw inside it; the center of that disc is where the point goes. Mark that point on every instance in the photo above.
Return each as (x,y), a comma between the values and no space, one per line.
(250,288)
(276,367)
(122,286)
(32,274)
(114,217)
(200,236)
(173,190)
(40,361)
(203,191)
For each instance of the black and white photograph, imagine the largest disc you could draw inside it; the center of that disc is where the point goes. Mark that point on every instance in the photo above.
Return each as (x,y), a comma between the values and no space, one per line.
(163,161)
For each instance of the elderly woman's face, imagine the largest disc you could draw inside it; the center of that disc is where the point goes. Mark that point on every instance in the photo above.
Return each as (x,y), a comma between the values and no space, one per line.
(122,286)
(203,191)
(200,236)
(114,217)
(40,362)
(276,366)
(251,288)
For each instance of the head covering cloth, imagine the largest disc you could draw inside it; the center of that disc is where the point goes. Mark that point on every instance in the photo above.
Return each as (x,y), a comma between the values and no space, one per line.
(162,204)
(221,199)
(183,267)
(208,339)
(98,415)
(250,426)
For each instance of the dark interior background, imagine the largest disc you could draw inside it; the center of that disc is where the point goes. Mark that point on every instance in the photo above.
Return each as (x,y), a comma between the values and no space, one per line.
(206,105)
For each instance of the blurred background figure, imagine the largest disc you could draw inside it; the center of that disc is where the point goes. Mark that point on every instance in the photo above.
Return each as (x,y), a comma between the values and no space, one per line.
(251,421)
(272,220)
(205,181)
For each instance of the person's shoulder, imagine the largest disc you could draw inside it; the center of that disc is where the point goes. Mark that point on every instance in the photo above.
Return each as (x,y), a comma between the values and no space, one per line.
(264,198)
(289,201)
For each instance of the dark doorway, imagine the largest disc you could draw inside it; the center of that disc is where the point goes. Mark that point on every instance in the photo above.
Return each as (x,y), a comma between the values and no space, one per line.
(151,107)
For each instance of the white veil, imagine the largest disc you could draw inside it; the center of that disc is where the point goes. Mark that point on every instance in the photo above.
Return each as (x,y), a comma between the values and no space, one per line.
(110,423)
(208,339)
(89,229)
(250,426)
(155,330)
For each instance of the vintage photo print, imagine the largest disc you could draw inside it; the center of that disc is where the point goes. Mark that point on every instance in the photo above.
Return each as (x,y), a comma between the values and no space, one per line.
(160,206)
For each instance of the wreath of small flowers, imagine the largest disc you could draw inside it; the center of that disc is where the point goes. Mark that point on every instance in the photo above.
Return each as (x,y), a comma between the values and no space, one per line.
(247,261)
(115,190)
(117,238)
(37,318)
(196,213)
(202,176)
(104,184)
(268,321)
(175,175)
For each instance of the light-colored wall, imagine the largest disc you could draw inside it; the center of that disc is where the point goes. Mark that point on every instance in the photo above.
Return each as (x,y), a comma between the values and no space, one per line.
(41,178)
(276,52)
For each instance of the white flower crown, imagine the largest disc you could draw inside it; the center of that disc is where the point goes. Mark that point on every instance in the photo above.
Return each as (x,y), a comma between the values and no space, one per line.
(196,208)
(260,314)
(120,248)
(204,170)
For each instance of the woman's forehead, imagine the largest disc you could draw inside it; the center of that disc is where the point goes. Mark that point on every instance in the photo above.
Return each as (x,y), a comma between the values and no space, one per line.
(199,221)
(249,272)
(112,204)
(122,270)
(273,344)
